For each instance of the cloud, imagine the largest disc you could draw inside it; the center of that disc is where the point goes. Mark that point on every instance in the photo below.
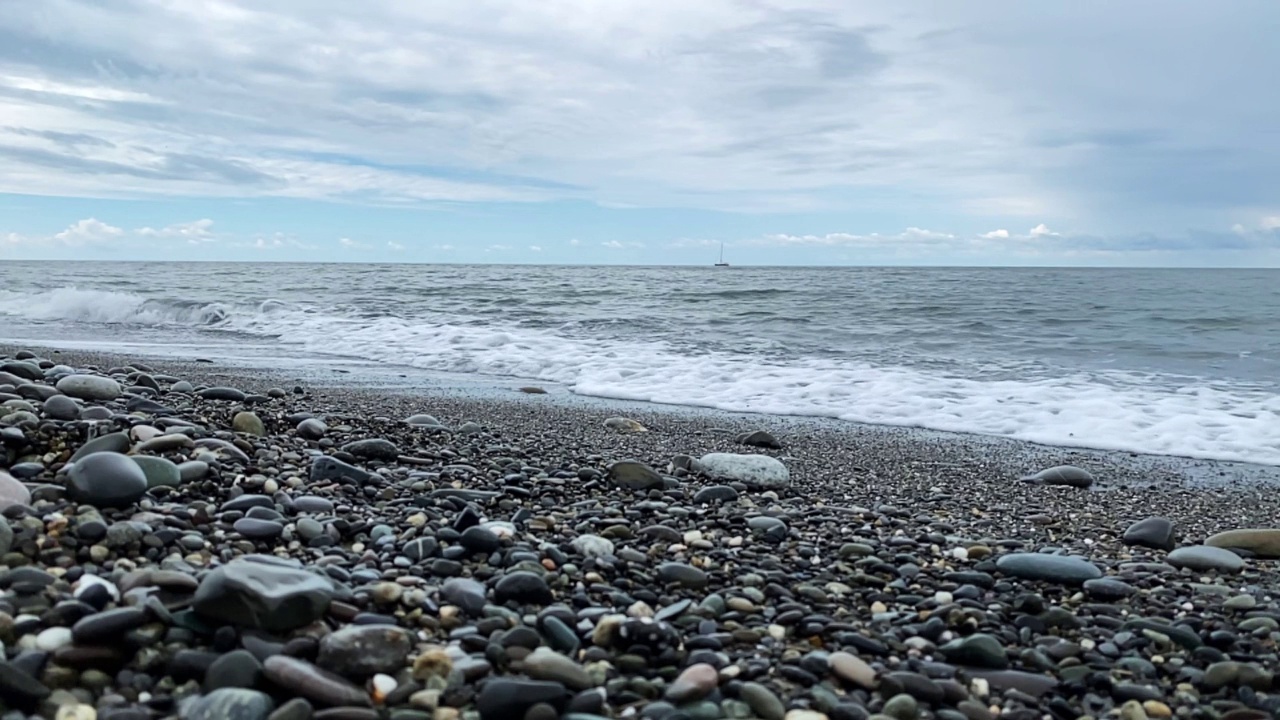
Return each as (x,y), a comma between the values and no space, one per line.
(694,243)
(88,232)
(443,248)
(575,242)
(277,241)
(498,247)
(619,245)
(350,244)
(911,235)
(535,248)
(1039,243)
(82,233)
(769,105)
(1042,230)
(94,232)
(394,246)
(195,232)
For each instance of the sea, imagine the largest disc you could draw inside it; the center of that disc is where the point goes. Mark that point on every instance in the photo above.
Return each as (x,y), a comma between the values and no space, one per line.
(1177,362)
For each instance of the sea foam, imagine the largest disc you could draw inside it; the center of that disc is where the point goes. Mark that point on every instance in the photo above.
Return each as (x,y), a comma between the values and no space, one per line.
(1145,413)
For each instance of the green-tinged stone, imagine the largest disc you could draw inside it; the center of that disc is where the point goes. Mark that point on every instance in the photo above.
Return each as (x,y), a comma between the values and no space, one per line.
(159,471)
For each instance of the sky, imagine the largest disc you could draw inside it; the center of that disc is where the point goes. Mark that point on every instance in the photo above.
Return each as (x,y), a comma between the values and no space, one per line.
(811,132)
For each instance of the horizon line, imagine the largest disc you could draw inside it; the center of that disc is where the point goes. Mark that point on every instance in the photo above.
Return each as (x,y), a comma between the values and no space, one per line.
(268,261)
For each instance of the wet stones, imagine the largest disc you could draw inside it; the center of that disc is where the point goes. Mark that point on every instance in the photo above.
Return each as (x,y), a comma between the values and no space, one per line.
(466,594)
(1066,475)
(506,698)
(116,442)
(1203,558)
(223,393)
(258,528)
(713,494)
(547,664)
(61,407)
(422,420)
(759,438)
(159,471)
(592,546)
(1263,543)
(19,688)
(762,701)
(329,469)
(373,449)
(12,491)
(682,574)
(229,704)
(694,683)
(522,587)
(852,669)
(1108,589)
(1153,532)
(360,651)
(479,539)
(758,472)
(624,425)
(1061,569)
(248,423)
(978,650)
(238,668)
(89,387)
(107,625)
(311,429)
(634,475)
(263,592)
(107,480)
(319,686)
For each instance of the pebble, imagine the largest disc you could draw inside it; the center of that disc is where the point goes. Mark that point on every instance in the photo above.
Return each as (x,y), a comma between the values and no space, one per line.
(1262,542)
(107,480)
(1204,558)
(1153,532)
(89,387)
(308,681)
(757,472)
(762,701)
(634,475)
(694,683)
(361,651)
(1051,568)
(1067,475)
(264,593)
(547,664)
(229,704)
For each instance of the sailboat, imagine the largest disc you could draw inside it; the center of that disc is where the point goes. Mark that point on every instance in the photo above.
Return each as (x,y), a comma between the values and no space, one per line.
(722,263)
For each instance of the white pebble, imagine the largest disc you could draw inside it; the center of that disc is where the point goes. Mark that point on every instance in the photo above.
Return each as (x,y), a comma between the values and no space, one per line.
(382,686)
(50,639)
(942,597)
(87,581)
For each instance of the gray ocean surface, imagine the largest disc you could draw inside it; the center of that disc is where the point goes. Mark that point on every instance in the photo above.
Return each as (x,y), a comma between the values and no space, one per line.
(1161,361)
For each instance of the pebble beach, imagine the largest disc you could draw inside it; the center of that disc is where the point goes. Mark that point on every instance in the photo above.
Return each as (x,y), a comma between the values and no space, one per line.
(179,540)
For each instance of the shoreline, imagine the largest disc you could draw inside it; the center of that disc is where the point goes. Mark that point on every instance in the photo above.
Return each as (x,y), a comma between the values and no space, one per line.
(347,376)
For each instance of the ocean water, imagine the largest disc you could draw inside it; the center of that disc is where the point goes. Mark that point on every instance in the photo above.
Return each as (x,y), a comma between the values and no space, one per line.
(1169,362)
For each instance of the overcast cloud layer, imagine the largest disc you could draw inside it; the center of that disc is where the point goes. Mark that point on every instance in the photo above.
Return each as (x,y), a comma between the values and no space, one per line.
(791,130)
